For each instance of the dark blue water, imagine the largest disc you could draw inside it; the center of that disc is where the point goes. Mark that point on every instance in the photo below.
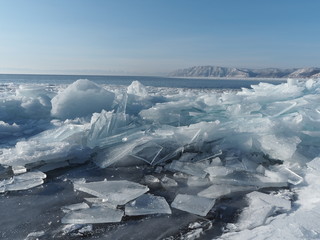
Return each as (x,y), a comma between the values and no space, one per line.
(126,80)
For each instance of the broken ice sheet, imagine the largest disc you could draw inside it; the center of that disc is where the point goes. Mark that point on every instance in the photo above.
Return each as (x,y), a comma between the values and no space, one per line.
(193,204)
(218,171)
(288,174)
(147,152)
(93,215)
(217,191)
(115,192)
(74,207)
(187,167)
(100,202)
(23,181)
(147,204)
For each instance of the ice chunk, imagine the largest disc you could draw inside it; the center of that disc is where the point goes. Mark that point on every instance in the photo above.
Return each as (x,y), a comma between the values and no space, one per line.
(100,202)
(217,191)
(74,207)
(93,215)
(115,192)
(23,185)
(22,182)
(30,176)
(73,101)
(18,169)
(291,176)
(118,153)
(150,179)
(52,166)
(167,182)
(187,167)
(105,125)
(147,204)
(314,164)
(54,145)
(279,148)
(197,182)
(193,204)
(136,88)
(147,152)
(218,171)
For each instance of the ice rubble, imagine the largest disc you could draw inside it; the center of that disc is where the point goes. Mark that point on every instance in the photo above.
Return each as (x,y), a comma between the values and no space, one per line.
(225,143)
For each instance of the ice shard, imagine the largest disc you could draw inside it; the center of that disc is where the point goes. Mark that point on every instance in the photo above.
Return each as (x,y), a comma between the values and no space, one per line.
(115,192)
(217,191)
(147,204)
(93,215)
(193,204)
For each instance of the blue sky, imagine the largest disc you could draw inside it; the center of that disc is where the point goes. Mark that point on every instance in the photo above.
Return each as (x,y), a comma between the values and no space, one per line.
(156,37)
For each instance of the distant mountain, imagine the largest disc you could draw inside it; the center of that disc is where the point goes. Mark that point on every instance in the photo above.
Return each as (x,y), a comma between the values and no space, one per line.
(214,71)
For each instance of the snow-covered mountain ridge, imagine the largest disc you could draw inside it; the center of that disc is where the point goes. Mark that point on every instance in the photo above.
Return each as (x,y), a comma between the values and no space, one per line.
(216,71)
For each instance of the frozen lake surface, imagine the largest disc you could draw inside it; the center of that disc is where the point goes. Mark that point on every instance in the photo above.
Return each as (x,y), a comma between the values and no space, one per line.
(158,158)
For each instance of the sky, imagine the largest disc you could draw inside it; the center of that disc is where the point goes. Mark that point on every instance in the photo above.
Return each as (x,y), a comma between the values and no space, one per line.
(154,37)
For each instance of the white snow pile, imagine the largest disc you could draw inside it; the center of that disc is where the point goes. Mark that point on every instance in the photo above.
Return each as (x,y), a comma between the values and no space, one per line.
(222,143)
(81,98)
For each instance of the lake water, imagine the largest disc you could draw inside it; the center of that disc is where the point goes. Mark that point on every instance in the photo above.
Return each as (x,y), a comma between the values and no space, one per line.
(126,80)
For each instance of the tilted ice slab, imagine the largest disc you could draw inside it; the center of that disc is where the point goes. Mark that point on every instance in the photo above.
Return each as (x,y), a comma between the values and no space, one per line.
(23,181)
(147,204)
(115,192)
(93,215)
(76,206)
(193,204)
(217,191)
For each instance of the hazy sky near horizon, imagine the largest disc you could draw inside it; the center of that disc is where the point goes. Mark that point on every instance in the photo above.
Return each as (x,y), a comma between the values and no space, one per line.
(154,37)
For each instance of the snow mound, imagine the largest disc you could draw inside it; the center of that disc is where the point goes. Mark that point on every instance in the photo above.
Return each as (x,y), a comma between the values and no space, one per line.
(136,88)
(81,99)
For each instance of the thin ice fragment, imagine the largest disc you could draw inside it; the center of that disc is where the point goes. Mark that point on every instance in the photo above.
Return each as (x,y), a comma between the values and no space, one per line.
(23,181)
(115,192)
(187,167)
(76,206)
(217,191)
(193,204)
(147,204)
(93,215)
(218,171)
